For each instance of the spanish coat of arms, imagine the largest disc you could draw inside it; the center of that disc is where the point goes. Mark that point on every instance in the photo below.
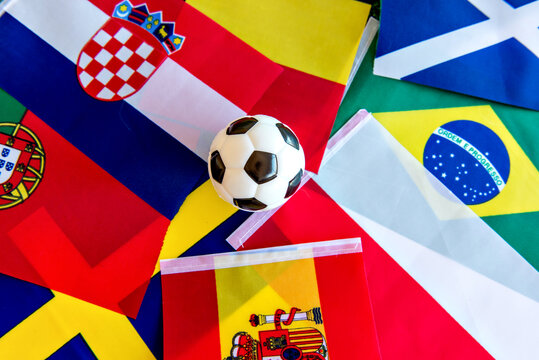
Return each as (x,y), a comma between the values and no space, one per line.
(303,343)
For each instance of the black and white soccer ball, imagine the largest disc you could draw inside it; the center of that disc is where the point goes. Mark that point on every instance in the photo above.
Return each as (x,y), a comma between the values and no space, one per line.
(256,163)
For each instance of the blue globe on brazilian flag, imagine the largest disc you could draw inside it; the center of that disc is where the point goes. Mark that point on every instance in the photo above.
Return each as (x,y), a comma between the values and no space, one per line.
(472,153)
(469,159)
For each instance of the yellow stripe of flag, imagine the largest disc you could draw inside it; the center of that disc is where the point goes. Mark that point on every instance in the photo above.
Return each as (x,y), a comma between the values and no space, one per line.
(319,37)
(262,289)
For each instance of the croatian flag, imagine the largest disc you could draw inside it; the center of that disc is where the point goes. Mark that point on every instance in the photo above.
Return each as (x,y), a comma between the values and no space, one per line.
(105,106)
(483,48)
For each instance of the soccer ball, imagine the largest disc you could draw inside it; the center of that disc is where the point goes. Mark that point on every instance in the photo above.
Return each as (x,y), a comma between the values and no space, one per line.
(256,163)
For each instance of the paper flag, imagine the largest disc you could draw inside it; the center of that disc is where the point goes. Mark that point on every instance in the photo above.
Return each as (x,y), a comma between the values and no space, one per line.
(461,262)
(297,302)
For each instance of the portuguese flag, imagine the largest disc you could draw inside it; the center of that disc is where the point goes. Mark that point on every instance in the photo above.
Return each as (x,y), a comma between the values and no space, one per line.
(68,224)
(293,302)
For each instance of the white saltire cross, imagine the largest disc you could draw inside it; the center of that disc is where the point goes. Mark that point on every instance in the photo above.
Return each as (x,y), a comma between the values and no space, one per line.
(504,23)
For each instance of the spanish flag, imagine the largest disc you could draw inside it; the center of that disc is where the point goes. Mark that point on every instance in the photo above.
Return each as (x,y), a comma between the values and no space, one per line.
(294,302)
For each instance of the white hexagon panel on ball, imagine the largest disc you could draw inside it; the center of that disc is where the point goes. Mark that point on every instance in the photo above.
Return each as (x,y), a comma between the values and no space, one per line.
(256,163)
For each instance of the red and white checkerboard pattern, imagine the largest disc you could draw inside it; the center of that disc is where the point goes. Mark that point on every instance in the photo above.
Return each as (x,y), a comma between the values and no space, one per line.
(116,63)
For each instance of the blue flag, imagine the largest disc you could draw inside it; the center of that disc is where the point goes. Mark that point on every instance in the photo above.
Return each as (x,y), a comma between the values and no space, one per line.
(488,49)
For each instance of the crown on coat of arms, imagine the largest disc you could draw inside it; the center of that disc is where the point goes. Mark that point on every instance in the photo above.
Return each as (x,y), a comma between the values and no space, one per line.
(151,22)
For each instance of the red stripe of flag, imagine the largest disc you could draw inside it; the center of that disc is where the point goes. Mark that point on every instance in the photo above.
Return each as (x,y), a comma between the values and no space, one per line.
(139,12)
(137,19)
(346,309)
(191,324)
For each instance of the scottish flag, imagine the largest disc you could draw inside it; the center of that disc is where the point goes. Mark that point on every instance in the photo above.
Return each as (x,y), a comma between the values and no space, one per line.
(483,48)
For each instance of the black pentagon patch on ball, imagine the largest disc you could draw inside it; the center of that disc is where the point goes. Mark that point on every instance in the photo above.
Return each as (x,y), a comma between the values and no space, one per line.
(217,167)
(241,126)
(251,204)
(294,184)
(288,136)
(261,166)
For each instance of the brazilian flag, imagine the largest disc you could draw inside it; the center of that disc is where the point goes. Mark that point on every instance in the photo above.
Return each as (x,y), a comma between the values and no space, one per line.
(486,153)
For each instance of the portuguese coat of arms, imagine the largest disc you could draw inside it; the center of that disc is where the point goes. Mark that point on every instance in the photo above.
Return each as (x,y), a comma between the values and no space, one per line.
(22,163)
(125,52)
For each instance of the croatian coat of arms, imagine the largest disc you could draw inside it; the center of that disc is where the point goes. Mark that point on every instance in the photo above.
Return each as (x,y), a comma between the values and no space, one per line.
(125,52)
